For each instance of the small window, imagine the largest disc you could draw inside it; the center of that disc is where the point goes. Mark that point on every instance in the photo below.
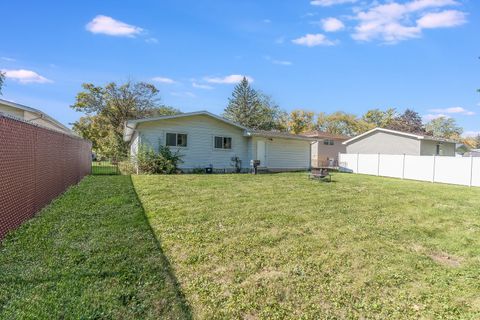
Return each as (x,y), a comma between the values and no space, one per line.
(223,143)
(176,140)
(328,142)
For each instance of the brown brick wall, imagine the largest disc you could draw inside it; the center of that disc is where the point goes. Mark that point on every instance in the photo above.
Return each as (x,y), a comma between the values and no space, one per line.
(36,165)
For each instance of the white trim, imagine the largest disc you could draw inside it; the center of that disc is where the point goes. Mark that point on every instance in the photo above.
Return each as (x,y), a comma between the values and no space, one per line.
(176,140)
(222,136)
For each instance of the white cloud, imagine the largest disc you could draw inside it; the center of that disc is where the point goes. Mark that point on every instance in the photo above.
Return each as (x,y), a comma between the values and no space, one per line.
(8,59)
(429,117)
(332,25)
(109,26)
(187,94)
(25,76)
(231,79)
(312,40)
(267,21)
(151,40)
(444,19)
(164,80)
(279,62)
(392,22)
(327,3)
(453,110)
(201,86)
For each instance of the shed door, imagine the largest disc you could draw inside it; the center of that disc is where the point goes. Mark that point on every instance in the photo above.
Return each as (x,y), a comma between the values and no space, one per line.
(261,155)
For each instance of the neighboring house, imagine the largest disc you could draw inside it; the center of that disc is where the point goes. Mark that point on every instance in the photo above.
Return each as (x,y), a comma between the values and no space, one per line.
(472,153)
(387,141)
(205,140)
(31,115)
(326,148)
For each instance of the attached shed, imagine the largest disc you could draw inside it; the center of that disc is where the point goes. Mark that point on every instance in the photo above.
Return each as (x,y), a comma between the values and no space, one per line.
(386,141)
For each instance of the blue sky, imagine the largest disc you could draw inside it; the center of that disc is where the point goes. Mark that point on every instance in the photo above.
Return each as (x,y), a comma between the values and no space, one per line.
(320,55)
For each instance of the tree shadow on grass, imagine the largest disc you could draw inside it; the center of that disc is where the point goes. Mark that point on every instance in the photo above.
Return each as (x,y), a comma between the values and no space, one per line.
(180,299)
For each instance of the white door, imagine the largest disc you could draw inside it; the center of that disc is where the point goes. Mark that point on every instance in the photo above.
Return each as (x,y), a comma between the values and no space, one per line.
(261,155)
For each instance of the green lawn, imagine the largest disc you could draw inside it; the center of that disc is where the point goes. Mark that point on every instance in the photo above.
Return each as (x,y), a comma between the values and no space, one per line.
(281,246)
(90,255)
(275,246)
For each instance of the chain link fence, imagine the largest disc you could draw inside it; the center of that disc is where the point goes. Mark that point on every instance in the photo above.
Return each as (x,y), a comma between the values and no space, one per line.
(36,165)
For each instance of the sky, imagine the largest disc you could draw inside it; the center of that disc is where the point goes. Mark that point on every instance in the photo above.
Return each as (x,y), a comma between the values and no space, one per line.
(318,55)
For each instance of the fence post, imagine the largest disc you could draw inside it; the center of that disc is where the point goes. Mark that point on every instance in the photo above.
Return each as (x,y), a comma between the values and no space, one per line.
(471,171)
(434,161)
(358,155)
(378,164)
(403,167)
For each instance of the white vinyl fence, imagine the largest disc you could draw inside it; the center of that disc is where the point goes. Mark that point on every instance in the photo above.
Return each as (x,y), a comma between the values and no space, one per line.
(454,170)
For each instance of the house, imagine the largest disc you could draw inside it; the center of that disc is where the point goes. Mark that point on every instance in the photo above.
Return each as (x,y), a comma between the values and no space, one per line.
(326,148)
(31,115)
(206,140)
(386,141)
(472,153)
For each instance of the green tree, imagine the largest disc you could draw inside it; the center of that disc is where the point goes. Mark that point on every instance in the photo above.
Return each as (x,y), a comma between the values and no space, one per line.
(445,128)
(341,123)
(380,118)
(299,121)
(107,108)
(409,121)
(252,109)
(2,80)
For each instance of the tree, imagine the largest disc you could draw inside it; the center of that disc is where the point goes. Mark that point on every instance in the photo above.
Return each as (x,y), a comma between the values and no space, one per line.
(2,80)
(445,128)
(299,121)
(107,108)
(409,121)
(252,109)
(379,118)
(341,123)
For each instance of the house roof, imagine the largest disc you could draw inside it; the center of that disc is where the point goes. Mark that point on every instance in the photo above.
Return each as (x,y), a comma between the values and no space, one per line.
(278,134)
(130,125)
(405,134)
(40,114)
(325,135)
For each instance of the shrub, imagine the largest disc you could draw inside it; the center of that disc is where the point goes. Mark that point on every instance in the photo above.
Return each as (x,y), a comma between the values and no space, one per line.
(127,167)
(164,161)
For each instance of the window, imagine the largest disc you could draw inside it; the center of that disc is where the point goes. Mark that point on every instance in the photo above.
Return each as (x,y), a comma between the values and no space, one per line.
(176,140)
(328,142)
(223,143)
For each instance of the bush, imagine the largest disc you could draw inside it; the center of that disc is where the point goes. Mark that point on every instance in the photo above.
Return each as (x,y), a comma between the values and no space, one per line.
(162,162)
(127,167)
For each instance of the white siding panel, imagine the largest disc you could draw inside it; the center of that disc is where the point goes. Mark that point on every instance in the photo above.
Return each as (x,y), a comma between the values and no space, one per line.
(288,154)
(419,168)
(385,143)
(452,170)
(476,172)
(368,164)
(348,162)
(391,165)
(200,130)
(134,145)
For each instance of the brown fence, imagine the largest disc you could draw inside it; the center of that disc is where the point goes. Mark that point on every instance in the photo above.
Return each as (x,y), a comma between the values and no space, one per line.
(36,165)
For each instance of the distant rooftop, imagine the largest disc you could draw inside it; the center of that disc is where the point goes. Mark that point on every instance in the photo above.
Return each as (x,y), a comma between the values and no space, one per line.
(325,135)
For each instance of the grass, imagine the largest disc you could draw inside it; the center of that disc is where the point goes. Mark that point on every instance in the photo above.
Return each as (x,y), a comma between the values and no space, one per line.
(281,246)
(89,255)
(274,246)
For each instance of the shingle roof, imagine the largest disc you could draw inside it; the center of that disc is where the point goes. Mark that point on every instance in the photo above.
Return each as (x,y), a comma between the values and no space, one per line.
(278,134)
(325,135)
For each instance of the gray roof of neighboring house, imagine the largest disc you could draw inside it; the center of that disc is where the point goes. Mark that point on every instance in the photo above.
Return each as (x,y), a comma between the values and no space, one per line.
(325,135)
(41,114)
(131,125)
(406,134)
